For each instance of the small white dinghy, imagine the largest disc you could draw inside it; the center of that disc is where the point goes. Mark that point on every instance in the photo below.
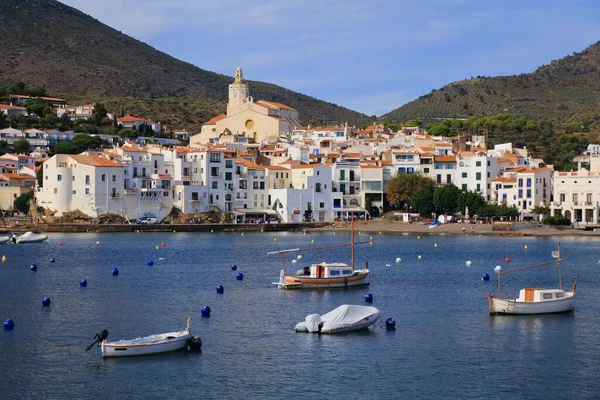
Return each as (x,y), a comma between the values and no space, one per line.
(30,237)
(154,344)
(345,318)
(4,239)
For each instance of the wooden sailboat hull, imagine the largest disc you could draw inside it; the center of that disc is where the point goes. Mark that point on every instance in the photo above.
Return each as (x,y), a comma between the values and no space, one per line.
(511,306)
(298,282)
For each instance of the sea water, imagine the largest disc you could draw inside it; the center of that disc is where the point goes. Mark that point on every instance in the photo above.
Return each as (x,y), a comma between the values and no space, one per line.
(445,343)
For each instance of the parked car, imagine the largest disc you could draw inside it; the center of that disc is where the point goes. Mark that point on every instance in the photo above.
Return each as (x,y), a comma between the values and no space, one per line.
(148,220)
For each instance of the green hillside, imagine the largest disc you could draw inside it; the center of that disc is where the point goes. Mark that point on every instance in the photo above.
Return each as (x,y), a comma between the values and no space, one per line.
(565,90)
(70,54)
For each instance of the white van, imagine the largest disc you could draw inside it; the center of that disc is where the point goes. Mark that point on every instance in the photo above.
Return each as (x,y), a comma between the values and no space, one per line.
(149,220)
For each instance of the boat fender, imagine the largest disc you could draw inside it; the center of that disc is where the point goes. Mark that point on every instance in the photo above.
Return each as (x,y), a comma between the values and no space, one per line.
(195,344)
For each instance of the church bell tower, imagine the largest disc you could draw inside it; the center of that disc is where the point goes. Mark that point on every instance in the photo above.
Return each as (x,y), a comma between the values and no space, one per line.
(238,92)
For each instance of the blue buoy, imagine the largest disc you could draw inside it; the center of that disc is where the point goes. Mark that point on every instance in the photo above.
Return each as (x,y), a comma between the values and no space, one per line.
(205,311)
(115,271)
(9,325)
(220,288)
(239,276)
(46,301)
(369,298)
(52,260)
(233,267)
(150,263)
(390,323)
(485,277)
(33,267)
(83,283)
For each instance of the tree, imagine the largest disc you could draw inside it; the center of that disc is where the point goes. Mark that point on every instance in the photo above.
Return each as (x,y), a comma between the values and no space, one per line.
(21,146)
(3,120)
(403,187)
(40,176)
(85,142)
(422,201)
(541,210)
(413,123)
(66,148)
(368,204)
(98,114)
(21,203)
(474,201)
(445,199)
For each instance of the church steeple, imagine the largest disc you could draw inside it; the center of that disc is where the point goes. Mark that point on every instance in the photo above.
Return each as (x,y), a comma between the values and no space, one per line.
(238,92)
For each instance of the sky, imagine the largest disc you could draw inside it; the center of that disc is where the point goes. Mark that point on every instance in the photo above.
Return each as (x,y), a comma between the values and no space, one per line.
(368,55)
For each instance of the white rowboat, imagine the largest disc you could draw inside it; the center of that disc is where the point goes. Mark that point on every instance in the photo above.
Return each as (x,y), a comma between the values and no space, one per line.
(154,344)
(30,237)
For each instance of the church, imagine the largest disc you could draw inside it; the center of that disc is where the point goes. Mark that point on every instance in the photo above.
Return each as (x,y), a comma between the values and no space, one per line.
(247,121)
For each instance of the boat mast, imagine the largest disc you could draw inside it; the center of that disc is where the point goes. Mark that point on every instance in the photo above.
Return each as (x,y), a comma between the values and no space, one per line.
(559,273)
(352,239)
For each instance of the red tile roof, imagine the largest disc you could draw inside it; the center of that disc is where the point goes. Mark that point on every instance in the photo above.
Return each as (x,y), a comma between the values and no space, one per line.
(95,161)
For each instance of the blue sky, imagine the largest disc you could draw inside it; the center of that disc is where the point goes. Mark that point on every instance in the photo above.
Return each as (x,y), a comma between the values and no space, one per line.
(369,55)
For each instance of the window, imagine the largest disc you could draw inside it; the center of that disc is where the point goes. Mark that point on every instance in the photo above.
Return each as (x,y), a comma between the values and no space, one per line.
(74,191)
(228,163)
(228,176)
(215,185)
(347,272)
(114,178)
(87,190)
(372,186)
(321,205)
(464,174)
(334,272)
(59,178)
(563,197)
(214,171)
(318,172)
(73,178)
(262,185)
(448,178)
(547,296)
(426,170)
(195,170)
(528,193)
(478,176)
(215,157)
(464,187)
(478,163)
(560,295)
(520,182)
(103,177)
(194,196)
(55,190)
(255,185)
(318,187)
(520,193)
(529,182)
(479,187)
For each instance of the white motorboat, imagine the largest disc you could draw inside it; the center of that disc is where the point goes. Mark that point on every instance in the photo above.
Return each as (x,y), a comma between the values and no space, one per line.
(535,300)
(4,239)
(153,344)
(30,237)
(345,318)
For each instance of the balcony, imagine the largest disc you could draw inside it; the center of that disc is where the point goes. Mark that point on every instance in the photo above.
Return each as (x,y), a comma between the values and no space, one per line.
(114,195)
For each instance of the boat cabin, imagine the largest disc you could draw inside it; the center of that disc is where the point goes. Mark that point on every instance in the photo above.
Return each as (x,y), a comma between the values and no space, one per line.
(537,295)
(325,270)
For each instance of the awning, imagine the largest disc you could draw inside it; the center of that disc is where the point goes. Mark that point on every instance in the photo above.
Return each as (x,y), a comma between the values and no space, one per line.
(246,211)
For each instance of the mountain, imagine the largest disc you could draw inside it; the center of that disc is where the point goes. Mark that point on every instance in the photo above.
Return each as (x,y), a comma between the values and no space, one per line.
(565,90)
(49,44)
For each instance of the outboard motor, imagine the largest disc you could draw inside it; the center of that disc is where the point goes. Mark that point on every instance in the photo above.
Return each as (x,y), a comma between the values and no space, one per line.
(99,338)
(195,344)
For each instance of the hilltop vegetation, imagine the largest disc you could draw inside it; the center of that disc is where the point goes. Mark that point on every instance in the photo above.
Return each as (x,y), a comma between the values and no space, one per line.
(72,55)
(566,90)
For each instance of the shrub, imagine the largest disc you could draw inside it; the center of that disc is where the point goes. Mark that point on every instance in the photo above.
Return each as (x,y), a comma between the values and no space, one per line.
(556,221)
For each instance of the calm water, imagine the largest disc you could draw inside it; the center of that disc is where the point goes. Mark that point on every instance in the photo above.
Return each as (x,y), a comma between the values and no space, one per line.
(445,344)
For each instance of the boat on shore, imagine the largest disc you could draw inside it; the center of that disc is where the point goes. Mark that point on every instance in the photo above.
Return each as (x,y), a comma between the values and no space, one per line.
(323,275)
(153,344)
(535,300)
(345,318)
(30,237)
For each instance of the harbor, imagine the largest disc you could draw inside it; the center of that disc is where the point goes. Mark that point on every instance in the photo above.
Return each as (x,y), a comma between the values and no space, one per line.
(445,343)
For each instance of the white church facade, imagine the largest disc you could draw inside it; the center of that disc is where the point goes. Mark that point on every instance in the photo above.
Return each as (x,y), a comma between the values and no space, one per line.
(247,121)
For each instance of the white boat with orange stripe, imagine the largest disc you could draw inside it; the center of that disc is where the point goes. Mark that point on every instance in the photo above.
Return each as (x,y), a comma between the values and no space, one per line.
(323,275)
(154,344)
(535,300)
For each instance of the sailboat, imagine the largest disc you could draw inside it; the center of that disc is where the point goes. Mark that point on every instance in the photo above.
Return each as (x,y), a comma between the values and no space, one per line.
(535,300)
(324,275)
